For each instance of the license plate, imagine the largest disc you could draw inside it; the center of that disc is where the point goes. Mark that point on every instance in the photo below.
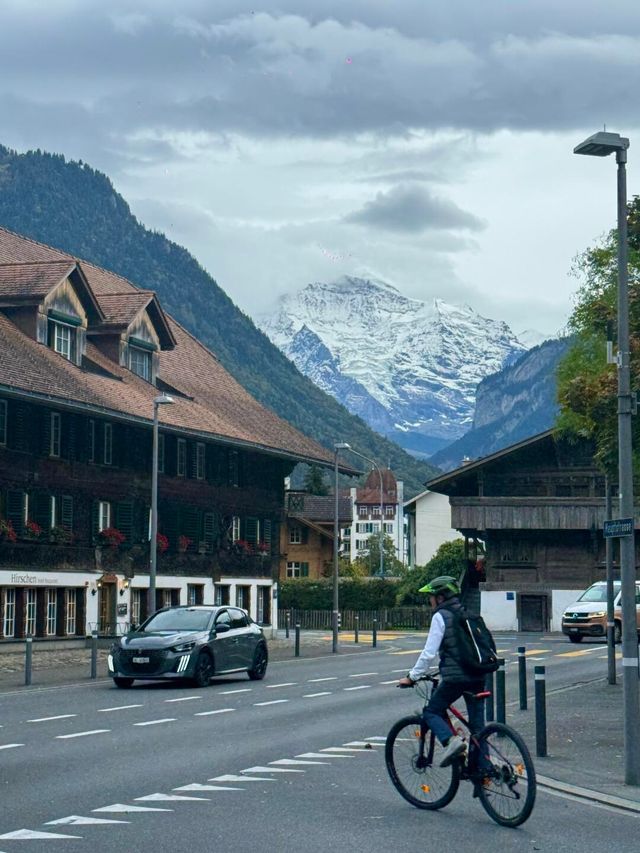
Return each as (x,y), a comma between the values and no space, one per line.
(141,660)
(571,629)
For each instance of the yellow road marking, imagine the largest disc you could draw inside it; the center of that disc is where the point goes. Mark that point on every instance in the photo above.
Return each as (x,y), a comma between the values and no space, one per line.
(577,654)
(408,652)
(349,636)
(533,652)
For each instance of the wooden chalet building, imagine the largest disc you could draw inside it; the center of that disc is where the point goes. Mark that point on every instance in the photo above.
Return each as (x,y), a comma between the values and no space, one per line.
(539,507)
(306,544)
(83,354)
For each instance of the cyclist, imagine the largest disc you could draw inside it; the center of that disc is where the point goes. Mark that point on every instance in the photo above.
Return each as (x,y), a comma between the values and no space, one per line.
(444,598)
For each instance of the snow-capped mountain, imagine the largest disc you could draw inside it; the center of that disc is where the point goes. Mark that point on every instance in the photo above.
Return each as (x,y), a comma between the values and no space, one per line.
(408,368)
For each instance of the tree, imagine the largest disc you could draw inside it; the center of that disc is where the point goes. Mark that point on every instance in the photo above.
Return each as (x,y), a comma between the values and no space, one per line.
(448,560)
(370,560)
(587,385)
(314,481)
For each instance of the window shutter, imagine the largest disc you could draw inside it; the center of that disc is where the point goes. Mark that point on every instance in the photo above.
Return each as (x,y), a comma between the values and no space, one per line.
(124,519)
(209,530)
(304,532)
(41,514)
(251,533)
(304,570)
(189,525)
(15,509)
(66,512)
(194,459)
(266,532)
(95,519)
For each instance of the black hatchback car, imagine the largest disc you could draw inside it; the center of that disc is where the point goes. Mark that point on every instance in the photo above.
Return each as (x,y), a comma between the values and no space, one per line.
(192,643)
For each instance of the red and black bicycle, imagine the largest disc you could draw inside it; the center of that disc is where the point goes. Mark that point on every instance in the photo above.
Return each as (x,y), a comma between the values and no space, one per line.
(497,762)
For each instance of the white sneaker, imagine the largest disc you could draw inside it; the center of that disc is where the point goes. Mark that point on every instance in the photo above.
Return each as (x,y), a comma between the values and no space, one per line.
(453,749)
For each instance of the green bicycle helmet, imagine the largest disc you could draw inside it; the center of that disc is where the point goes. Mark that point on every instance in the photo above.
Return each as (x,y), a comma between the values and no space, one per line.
(445,585)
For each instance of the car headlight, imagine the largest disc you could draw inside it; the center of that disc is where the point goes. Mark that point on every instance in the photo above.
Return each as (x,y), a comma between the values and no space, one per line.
(599,613)
(183,647)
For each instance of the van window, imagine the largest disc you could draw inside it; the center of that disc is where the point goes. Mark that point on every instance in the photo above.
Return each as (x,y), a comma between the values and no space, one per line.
(598,592)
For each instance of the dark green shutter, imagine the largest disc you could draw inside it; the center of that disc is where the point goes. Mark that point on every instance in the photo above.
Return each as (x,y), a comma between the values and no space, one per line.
(15,509)
(304,534)
(41,509)
(66,512)
(124,519)
(304,570)
(95,519)
(266,532)
(251,532)
(209,528)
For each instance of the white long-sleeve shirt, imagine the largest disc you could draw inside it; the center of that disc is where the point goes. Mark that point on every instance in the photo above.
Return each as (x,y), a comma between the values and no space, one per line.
(431,648)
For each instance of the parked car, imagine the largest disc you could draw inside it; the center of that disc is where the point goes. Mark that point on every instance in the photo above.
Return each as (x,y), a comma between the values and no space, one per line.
(192,643)
(587,617)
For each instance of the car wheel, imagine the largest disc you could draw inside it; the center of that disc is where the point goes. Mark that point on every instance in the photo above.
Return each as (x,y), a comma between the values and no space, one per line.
(575,638)
(203,671)
(259,666)
(123,682)
(617,633)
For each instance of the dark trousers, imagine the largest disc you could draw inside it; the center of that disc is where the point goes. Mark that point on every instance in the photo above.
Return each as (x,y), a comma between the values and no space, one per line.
(446,694)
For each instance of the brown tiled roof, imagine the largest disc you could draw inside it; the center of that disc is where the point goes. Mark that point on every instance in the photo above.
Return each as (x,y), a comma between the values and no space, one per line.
(15,249)
(120,309)
(370,492)
(19,282)
(220,406)
(321,508)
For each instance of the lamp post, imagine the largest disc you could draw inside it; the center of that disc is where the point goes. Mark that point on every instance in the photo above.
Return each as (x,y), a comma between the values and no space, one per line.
(601,145)
(337,447)
(161,400)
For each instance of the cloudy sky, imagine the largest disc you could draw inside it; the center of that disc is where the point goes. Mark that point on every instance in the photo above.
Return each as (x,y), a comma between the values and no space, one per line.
(288,141)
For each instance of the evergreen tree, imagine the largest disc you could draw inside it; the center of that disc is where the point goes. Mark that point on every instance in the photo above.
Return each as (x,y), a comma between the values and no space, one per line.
(314,481)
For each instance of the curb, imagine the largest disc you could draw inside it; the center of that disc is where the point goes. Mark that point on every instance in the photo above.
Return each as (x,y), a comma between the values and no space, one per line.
(589,795)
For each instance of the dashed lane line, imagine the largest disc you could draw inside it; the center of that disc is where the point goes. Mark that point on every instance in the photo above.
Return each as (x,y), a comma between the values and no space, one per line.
(393,681)
(183,699)
(10,745)
(83,734)
(359,687)
(156,722)
(320,755)
(259,769)
(362,674)
(57,717)
(232,777)
(315,695)
(211,713)
(272,702)
(294,761)
(118,708)
(329,678)
(341,749)
(227,692)
(285,684)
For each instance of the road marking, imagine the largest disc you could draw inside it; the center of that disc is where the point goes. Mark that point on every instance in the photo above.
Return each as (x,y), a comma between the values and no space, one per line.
(273,702)
(315,695)
(183,699)
(362,743)
(320,755)
(24,834)
(46,719)
(118,708)
(286,684)
(161,798)
(195,786)
(530,652)
(330,678)
(271,770)
(408,652)
(362,674)
(227,692)
(10,745)
(359,687)
(78,820)
(83,734)
(339,749)
(231,777)
(156,722)
(117,808)
(393,681)
(287,761)
(377,737)
(399,670)
(579,653)
(210,713)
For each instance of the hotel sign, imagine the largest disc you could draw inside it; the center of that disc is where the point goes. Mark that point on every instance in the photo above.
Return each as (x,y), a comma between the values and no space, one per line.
(24,579)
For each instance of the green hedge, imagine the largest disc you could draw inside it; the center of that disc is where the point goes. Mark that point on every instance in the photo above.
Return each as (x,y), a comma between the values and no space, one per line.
(355,594)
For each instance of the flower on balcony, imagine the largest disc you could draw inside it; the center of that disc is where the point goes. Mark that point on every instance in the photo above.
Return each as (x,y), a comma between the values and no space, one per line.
(7,533)
(32,530)
(241,546)
(112,536)
(162,542)
(184,542)
(60,535)
(262,548)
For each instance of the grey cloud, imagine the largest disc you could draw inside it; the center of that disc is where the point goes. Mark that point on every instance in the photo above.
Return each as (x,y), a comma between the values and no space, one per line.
(412,209)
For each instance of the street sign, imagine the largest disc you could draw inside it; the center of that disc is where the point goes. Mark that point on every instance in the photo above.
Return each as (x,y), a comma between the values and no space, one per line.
(618,527)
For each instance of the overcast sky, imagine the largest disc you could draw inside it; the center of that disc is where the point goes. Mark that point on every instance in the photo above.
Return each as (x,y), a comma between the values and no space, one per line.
(426,143)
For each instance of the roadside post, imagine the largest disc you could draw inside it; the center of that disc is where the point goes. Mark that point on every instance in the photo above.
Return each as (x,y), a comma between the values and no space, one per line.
(297,652)
(286,624)
(94,654)
(489,704)
(356,629)
(374,635)
(28,657)
(609,543)
(501,704)
(522,677)
(541,710)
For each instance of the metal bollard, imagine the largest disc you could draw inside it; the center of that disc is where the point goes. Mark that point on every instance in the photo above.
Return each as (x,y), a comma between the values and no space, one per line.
(522,677)
(501,703)
(94,654)
(297,640)
(356,629)
(489,704)
(286,624)
(28,658)
(374,636)
(541,710)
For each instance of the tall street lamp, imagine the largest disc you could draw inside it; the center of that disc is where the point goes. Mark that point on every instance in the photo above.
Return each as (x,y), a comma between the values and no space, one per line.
(337,447)
(601,145)
(162,400)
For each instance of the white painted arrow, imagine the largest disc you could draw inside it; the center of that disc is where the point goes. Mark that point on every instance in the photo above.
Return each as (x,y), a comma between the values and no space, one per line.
(195,786)
(320,755)
(294,761)
(78,820)
(23,834)
(121,807)
(271,770)
(159,798)
(339,749)
(229,777)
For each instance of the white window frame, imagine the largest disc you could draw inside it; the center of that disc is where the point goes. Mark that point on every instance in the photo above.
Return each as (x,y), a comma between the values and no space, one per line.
(3,423)
(375,511)
(71,610)
(235,528)
(389,511)
(104,515)
(53,512)
(136,605)
(218,597)
(241,591)
(165,597)
(143,359)
(294,569)
(62,339)
(388,527)
(200,460)
(9,613)
(181,458)
(295,535)
(55,439)
(107,450)
(50,611)
(363,511)
(30,611)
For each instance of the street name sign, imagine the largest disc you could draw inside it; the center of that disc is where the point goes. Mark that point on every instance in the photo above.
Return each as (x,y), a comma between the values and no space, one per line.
(618,527)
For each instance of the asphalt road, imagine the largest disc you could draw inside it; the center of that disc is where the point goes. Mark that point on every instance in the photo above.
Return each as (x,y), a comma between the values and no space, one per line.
(75,755)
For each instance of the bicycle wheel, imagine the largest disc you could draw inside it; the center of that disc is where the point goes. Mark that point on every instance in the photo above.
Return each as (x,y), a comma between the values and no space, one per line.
(508,787)
(419,779)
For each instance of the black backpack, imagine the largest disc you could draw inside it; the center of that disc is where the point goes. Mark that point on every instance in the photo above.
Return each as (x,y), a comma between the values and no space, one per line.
(476,648)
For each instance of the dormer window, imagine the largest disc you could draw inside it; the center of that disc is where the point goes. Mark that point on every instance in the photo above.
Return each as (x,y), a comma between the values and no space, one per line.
(63,334)
(141,357)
